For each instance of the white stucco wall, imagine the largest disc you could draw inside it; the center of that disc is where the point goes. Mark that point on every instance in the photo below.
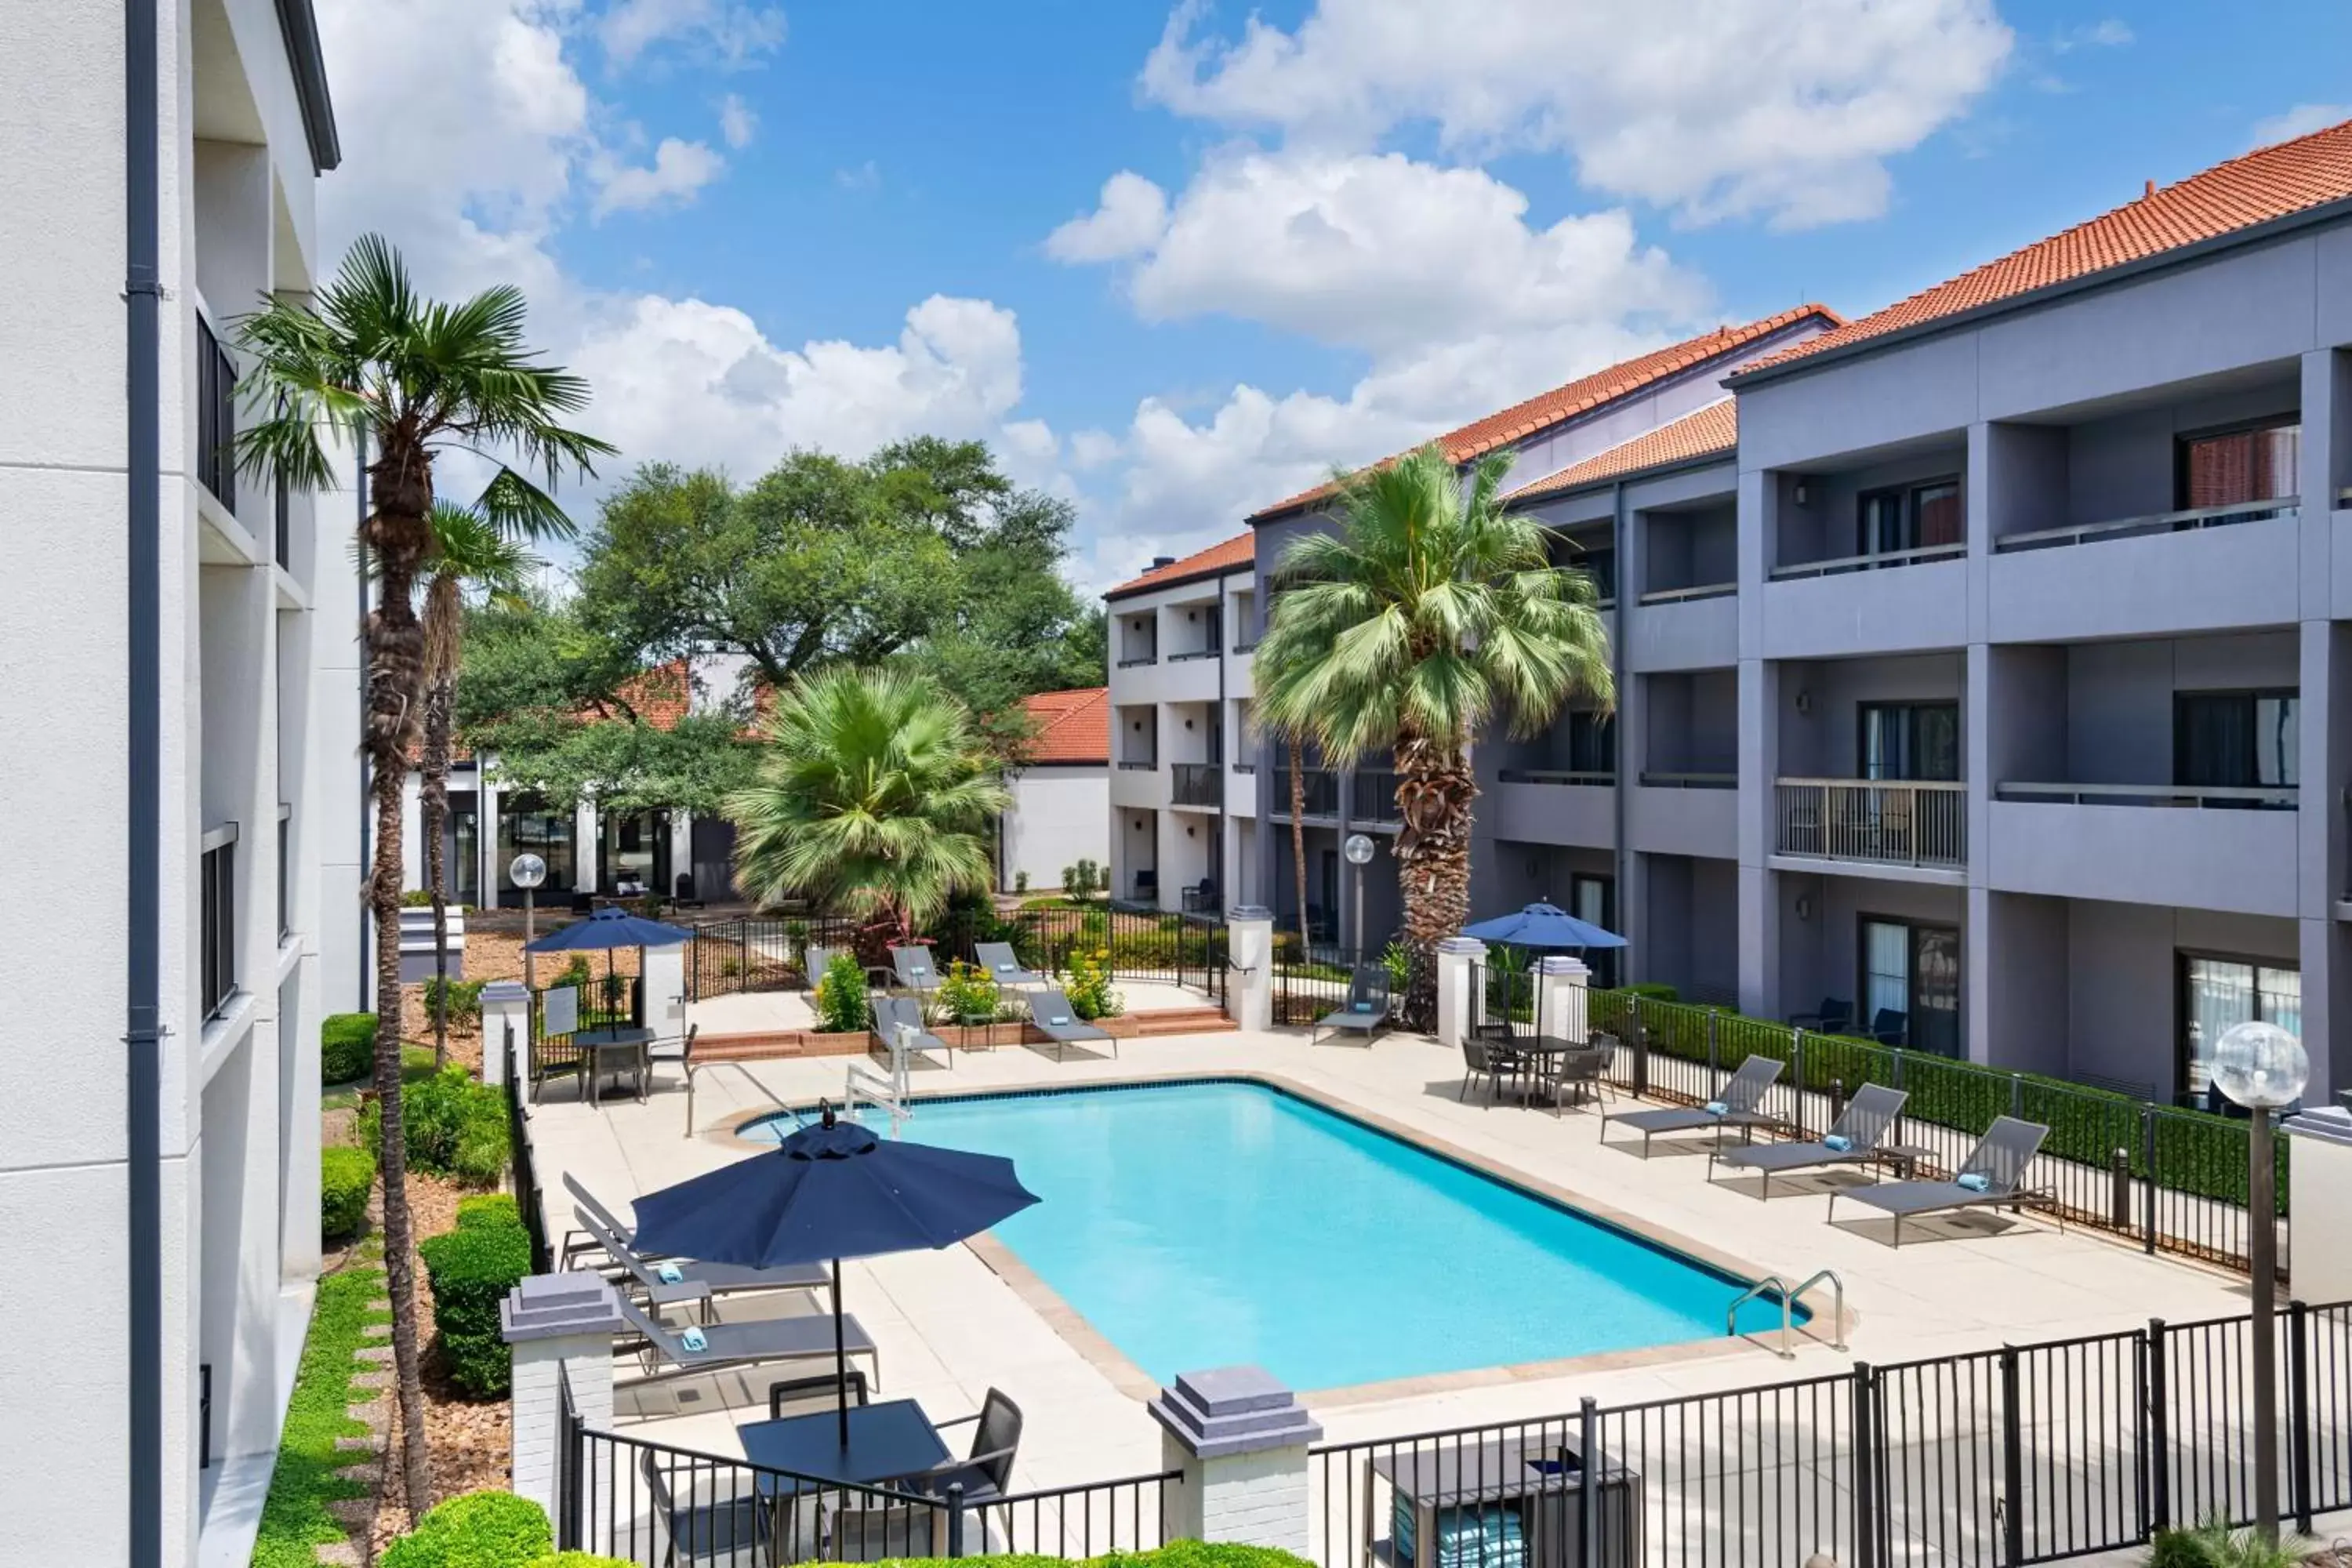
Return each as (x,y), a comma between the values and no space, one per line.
(1059,816)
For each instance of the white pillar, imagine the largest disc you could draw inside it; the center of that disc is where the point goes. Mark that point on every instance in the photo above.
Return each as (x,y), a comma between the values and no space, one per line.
(1240,1440)
(1249,950)
(2319,1196)
(506,1024)
(559,1328)
(1561,981)
(665,988)
(1458,958)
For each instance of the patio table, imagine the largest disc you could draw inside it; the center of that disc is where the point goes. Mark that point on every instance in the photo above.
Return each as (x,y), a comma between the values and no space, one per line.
(886,1441)
(1548,1049)
(628,1041)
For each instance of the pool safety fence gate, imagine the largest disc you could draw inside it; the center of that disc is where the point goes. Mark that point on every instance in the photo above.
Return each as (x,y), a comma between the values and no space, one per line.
(1189,950)
(2172,1179)
(2025,1454)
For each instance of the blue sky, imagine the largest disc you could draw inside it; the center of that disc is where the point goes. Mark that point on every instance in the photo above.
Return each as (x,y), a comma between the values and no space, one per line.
(1335,226)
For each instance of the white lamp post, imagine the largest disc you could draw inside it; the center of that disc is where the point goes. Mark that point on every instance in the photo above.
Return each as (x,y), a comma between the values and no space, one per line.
(1359,851)
(2262,1068)
(527,871)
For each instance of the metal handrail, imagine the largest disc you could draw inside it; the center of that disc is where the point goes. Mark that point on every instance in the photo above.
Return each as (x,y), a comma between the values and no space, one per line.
(1955,784)
(1194,653)
(1788,1301)
(2285,796)
(1554,776)
(1704,591)
(2193,516)
(1911,557)
(1690,781)
(1139,662)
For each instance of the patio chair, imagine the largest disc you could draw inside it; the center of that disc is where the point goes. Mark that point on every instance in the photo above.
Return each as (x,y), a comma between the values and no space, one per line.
(1366,1011)
(871,1534)
(678,1048)
(669,1282)
(822,1392)
(1491,1059)
(724,1522)
(1004,965)
(664,1353)
(1890,1025)
(986,1472)
(1587,1068)
(1852,1140)
(1993,1174)
(1050,1012)
(892,1013)
(1735,1105)
(1832,1017)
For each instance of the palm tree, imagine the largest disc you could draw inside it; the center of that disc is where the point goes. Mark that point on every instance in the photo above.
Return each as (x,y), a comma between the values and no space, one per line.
(408,379)
(1427,613)
(470,553)
(875,791)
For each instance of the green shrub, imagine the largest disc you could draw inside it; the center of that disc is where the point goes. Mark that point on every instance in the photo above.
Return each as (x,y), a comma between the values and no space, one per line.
(470,1270)
(346,1176)
(479,1529)
(416,898)
(968,992)
(2215,1545)
(841,996)
(579,972)
(1654,992)
(458,1126)
(346,1046)
(1088,987)
(465,998)
(1019,881)
(488,1208)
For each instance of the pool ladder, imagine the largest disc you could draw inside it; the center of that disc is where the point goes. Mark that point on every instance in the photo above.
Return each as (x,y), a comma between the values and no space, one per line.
(863,1086)
(1773,1283)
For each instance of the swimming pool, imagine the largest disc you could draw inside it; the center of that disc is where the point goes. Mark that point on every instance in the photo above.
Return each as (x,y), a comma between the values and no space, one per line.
(1205,1224)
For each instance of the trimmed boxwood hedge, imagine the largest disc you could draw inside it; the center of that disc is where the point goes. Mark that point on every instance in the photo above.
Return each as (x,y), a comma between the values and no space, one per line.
(470,1270)
(479,1530)
(346,1177)
(346,1046)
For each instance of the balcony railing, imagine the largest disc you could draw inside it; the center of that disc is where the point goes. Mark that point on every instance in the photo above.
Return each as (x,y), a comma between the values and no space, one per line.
(1683,595)
(1139,764)
(1245,644)
(1193,654)
(2187,521)
(1690,781)
(1555,776)
(1132,661)
(2203,796)
(215,417)
(1908,822)
(1197,784)
(1244,767)
(216,928)
(1372,796)
(1918,556)
(1321,788)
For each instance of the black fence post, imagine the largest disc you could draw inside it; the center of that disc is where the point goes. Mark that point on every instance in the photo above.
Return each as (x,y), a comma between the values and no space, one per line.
(567,1483)
(2299,1415)
(1865,1467)
(1797,1071)
(2158,1447)
(1641,1047)
(1588,1419)
(2147,1176)
(955,1519)
(1713,1060)
(2012,1463)
(2016,1095)
(2119,1190)
(1837,1099)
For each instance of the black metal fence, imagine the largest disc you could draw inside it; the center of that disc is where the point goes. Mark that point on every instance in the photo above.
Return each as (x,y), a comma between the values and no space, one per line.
(2024,1454)
(1311,979)
(526,1170)
(2172,1179)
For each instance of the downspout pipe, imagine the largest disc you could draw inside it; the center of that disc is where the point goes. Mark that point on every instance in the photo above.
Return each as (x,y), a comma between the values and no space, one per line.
(365,1001)
(142,847)
(1621,794)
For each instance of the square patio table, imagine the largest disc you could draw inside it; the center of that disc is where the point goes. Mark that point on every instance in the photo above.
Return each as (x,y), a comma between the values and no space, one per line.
(886,1441)
(626,1040)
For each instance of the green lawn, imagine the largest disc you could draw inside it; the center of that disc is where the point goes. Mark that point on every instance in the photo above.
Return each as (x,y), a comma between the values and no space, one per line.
(294,1519)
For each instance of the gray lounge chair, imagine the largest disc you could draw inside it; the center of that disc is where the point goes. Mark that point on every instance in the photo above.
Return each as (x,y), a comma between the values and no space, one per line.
(664,1353)
(607,1231)
(1004,965)
(1739,1099)
(915,970)
(892,1013)
(1998,1160)
(1864,1125)
(669,1282)
(1052,1014)
(1366,1011)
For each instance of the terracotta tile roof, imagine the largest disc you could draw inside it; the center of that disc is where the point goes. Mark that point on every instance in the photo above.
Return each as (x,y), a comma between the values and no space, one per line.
(1711,431)
(1072,726)
(1239,551)
(2268,183)
(661,696)
(1587,393)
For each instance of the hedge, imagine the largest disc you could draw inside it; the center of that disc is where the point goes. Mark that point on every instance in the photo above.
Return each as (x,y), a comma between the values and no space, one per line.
(458,1126)
(488,1208)
(346,1046)
(346,1177)
(470,1270)
(479,1529)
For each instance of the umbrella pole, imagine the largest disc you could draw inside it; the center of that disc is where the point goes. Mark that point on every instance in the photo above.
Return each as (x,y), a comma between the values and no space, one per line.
(840,1363)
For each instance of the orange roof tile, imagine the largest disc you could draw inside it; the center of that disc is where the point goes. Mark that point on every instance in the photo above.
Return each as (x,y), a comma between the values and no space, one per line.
(1072,726)
(2268,183)
(1711,431)
(1587,393)
(1223,556)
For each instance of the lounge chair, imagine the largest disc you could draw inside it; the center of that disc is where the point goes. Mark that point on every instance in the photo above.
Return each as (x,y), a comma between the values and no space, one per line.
(607,1233)
(1004,965)
(1832,1017)
(1051,1012)
(1852,1140)
(891,1014)
(664,1353)
(1735,1105)
(916,972)
(1993,1174)
(1366,1011)
(986,1473)
(669,1282)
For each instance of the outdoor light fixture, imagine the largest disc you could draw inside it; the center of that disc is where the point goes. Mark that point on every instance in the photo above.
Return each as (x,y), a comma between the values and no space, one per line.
(2262,1068)
(1804,908)
(1359,851)
(527,871)
(1804,702)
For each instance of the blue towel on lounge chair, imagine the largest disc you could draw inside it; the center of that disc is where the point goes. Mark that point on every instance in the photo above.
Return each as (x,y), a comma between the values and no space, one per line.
(693,1338)
(1716,1108)
(1057,1019)
(1975,1182)
(1006,968)
(1363,1007)
(669,1273)
(1838,1142)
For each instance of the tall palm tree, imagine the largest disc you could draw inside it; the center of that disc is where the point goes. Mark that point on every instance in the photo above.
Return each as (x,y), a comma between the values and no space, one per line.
(875,791)
(1427,613)
(406,379)
(471,553)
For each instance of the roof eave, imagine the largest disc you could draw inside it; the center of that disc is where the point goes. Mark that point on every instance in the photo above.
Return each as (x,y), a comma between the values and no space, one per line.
(1205,575)
(299,24)
(1653,471)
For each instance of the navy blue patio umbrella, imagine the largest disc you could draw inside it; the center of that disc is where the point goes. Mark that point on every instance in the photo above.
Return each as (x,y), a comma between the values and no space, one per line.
(1543,925)
(607,929)
(829,1192)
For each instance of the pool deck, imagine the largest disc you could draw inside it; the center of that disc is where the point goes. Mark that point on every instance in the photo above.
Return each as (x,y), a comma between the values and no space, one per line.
(951,1325)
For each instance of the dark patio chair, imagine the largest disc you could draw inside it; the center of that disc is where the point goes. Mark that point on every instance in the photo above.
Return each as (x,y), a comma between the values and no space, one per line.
(1488,1058)
(1832,1017)
(986,1472)
(719,1523)
(1890,1025)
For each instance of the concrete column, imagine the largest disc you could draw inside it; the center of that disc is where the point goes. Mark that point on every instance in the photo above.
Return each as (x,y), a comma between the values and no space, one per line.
(2319,1195)
(1249,985)
(1457,1008)
(1240,1440)
(1560,982)
(664,989)
(584,828)
(506,1024)
(559,1328)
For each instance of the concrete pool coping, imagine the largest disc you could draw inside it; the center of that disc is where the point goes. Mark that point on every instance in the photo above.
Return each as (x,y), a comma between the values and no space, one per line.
(1098,1349)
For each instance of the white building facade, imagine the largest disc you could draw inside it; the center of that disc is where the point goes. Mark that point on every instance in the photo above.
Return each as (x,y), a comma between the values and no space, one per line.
(1061,794)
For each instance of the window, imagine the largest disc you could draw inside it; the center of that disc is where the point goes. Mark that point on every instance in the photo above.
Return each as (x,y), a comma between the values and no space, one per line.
(1909,740)
(1594,554)
(2235,740)
(2230,468)
(2217,992)
(1591,742)
(1913,971)
(524,825)
(1909,517)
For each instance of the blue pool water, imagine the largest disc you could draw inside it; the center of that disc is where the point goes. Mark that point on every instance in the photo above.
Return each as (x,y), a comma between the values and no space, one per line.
(1203,1224)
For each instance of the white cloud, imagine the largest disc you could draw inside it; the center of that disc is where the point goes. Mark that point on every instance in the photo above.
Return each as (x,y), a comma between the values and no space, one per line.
(675,177)
(2113,32)
(2301,121)
(737,121)
(717,32)
(1713,107)
(1128,220)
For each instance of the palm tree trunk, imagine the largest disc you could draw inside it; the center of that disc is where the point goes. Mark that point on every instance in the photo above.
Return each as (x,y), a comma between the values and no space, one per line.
(1299,839)
(433,799)
(1435,791)
(397,534)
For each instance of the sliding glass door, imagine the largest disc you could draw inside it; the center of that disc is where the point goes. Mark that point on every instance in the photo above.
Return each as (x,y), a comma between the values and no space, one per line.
(2217,992)
(1911,978)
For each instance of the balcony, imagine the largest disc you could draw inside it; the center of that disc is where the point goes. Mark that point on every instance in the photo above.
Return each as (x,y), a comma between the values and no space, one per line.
(1575,807)
(1884,560)
(1190,653)
(1322,791)
(1138,764)
(1197,784)
(1883,823)
(215,417)
(1138,660)
(1555,776)
(1684,812)
(2204,569)
(2155,845)
(1371,797)
(216,927)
